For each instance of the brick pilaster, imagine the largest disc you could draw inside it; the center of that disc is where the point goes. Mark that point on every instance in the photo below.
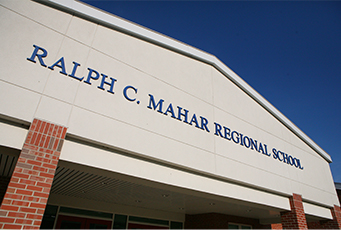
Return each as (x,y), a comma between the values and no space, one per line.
(295,219)
(336,213)
(26,196)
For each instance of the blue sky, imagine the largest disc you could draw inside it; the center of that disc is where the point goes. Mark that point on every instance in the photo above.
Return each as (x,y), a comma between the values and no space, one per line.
(289,51)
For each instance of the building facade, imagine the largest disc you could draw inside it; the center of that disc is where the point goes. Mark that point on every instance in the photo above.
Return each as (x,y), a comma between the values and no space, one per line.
(107,124)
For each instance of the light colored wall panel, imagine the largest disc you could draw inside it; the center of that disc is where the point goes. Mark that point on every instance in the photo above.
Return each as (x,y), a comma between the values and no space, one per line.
(251,175)
(60,86)
(111,132)
(53,110)
(297,142)
(18,102)
(318,196)
(17,45)
(184,73)
(81,30)
(116,106)
(318,184)
(252,120)
(48,17)
(272,165)
(315,210)
(237,152)
(8,132)
(229,98)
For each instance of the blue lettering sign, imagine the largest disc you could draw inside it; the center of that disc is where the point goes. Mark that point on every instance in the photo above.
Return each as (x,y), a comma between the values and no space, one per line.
(182,114)
(39,56)
(170,110)
(61,64)
(125,94)
(111,83)
(200,122)
(74,69)
(152,103)
(286,158)
(235,137)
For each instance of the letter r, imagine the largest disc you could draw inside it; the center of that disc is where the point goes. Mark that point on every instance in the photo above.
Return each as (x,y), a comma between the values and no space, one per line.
(40,56)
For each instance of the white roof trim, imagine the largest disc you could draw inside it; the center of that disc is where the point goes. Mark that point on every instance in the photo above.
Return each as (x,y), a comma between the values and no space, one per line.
(133,29)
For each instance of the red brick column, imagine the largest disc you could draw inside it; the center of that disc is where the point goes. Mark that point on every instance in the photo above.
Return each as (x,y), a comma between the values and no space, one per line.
(336,222)
(276,226)
(26,196)
(295,219)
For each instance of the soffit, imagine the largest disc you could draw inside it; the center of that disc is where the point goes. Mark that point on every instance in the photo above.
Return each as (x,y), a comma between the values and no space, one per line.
(92,184)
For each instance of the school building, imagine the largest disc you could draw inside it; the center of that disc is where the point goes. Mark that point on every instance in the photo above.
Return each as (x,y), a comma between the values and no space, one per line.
(107,124)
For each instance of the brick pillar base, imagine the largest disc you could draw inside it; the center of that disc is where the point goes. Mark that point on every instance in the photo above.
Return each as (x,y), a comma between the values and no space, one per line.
(26,196)
(276,226)
(295,219)
(314,225)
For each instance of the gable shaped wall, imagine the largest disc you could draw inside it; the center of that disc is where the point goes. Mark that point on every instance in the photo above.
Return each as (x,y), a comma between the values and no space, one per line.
(125,117)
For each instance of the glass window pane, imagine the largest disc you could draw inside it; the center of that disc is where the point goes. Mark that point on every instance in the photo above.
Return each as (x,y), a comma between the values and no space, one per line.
(85,212)
(148,220)
(120,221)
(233,226)
(66,224)
(98,226)
(176,225)
(49,217)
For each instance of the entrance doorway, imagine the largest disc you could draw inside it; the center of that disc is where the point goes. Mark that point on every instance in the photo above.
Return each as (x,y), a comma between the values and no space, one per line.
(71,222)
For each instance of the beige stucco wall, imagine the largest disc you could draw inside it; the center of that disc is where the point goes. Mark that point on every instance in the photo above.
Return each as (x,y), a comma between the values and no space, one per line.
(30,90)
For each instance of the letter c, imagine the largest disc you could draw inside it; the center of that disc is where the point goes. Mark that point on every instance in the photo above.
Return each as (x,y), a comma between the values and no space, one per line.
(125,92)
